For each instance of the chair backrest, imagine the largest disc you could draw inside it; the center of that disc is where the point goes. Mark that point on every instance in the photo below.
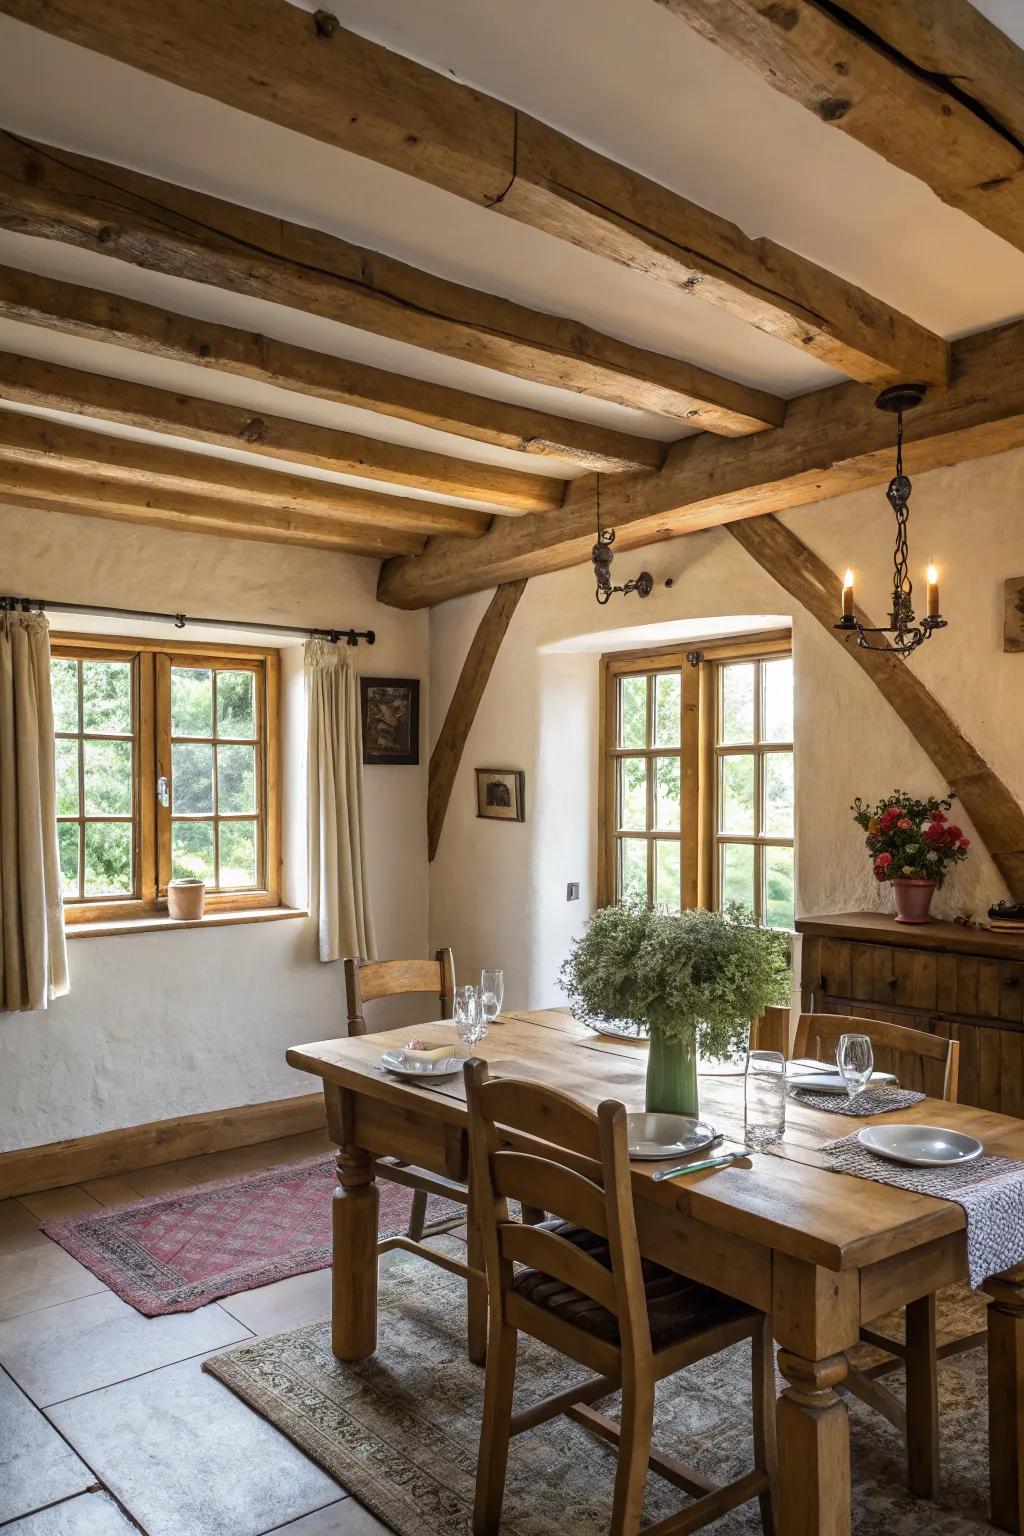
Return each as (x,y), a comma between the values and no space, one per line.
(927,1063)
(773,1031)
(577,1169)
(367,980)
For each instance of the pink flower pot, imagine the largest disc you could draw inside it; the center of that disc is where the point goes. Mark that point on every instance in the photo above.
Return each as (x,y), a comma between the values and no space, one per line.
(913,898)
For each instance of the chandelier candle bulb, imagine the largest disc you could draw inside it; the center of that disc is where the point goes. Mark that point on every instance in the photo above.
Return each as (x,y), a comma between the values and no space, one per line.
(933,592)
(848,593)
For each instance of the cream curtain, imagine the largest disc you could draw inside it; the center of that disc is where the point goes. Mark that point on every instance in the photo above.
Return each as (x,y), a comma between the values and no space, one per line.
(339,889)
(33,954)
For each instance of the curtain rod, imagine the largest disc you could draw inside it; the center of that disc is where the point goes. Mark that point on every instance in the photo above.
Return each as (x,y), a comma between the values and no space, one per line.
(179,620)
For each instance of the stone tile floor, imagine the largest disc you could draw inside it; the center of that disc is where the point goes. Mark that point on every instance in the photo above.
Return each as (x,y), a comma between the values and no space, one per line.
(108,1425)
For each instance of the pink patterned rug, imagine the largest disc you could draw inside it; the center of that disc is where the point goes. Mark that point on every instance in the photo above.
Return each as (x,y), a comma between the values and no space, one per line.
(174,1253)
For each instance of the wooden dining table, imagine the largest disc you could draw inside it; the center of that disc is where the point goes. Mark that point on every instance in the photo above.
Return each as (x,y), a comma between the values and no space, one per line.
(821,1252)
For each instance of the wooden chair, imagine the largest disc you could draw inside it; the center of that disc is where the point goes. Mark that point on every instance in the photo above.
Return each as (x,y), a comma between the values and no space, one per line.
(367,981)
(586,1292)
(928,1064)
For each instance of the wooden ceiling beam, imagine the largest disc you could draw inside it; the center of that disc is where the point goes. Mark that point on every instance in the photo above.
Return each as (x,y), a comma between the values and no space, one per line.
(834,440)
(50,386)
(55,195)
(28,439)
(92,315)
(309,74)
(994,810)
(39,487)
(868,68)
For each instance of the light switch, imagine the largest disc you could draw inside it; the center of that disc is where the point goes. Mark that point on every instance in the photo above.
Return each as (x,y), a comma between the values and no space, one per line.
(572,891)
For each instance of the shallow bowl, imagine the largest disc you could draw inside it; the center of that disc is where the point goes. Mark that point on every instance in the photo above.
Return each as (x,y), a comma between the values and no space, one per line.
(922,1146)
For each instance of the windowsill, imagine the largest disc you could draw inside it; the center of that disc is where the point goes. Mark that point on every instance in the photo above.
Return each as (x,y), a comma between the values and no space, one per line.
(160,923)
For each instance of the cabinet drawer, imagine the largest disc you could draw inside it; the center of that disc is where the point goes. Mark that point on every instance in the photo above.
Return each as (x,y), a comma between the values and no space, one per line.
(879,974)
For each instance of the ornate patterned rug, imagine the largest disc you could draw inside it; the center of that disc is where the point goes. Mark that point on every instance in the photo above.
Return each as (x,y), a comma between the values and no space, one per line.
(400,1430)
(174,1253)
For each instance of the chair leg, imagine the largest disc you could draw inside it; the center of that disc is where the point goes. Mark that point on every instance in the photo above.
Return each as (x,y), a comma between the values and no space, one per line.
(635,1429)
(476,1287)
(495,1430)
(762,1384)
(418,1215)
(921,1361)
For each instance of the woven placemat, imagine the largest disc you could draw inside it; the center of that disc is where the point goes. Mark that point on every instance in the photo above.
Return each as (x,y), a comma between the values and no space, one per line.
(989,1189)
(870,1101)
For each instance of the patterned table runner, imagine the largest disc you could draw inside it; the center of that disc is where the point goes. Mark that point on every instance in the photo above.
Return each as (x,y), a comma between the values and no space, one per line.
(870,1101)
(990,1190)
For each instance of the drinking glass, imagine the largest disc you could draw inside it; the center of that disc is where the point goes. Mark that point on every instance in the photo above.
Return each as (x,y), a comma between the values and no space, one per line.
(492,992)
(856,1062)
(764,1117)
(470,1024)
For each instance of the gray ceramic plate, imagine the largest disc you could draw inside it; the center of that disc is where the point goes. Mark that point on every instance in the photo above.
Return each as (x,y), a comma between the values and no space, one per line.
(653,1137)
(923,1146)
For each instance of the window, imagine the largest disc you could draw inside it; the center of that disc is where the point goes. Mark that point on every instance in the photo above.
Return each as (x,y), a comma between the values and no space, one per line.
(696,789)
(166,767)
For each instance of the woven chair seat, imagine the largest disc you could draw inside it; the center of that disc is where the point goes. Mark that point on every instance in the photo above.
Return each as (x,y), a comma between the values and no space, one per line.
(677,1308)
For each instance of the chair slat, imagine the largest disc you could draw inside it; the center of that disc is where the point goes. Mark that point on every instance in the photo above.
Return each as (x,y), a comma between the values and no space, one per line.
(559,1258)
(390,978)
(547,1185)
(546,1113)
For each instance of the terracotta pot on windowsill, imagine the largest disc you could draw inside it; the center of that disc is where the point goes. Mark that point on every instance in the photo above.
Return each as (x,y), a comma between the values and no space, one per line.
(186,900)
(913,898)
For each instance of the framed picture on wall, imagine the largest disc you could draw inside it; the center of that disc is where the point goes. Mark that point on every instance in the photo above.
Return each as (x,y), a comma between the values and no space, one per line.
(391,720)
(1013,632)
(501,794)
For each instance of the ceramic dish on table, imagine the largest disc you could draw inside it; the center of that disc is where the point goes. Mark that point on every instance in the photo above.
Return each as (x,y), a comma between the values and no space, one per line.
(830,1081)
(398,1063)
(920,1146)
(653,1137)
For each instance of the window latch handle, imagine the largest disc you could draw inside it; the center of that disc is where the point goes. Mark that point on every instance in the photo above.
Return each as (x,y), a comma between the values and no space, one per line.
(161,790)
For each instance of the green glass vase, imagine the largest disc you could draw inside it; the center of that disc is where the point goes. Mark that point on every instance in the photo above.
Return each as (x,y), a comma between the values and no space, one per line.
(672,1076)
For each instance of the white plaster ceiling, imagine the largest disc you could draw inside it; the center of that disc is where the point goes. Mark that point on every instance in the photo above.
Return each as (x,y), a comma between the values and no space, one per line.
(622,75)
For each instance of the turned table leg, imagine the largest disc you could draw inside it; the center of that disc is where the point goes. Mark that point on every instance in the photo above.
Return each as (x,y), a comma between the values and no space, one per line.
(1006,1399)
(354,1274)
(814,1448)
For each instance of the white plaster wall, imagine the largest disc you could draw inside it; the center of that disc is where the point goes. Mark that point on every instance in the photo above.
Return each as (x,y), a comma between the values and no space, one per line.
(164,1024)
(498,891)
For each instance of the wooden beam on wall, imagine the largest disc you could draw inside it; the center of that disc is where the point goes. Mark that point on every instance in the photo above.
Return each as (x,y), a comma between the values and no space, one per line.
(309,74)
(927,125)
(50,386)
(93,315)
(32,440)
(469,690)
(37,487)
(834,440)
(996,814)
(54,195)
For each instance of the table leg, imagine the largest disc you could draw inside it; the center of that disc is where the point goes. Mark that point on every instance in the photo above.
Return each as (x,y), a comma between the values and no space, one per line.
(1006,1399)
(354,1275)
(814,1448)
(923,1465)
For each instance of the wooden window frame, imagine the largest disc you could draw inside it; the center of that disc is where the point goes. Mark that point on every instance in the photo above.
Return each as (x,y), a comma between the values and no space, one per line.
(151,661)
(699,668)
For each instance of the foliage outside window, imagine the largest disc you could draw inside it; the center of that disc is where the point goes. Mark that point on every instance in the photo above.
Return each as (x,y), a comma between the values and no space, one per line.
(696,794)
(166,767)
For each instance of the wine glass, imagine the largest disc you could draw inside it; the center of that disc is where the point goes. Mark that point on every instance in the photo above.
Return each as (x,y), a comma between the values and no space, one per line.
(470,1023)
(492,993)
(856,1062)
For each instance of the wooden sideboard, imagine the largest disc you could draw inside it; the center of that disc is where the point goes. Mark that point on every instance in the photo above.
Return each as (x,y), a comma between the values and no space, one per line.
(963,983)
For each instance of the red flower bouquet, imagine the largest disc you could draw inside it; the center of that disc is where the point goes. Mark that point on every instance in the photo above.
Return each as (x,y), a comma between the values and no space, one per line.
(911,839)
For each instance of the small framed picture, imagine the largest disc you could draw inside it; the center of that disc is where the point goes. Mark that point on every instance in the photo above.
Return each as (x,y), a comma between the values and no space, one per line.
(501,794)
(1013,631)
(391,720)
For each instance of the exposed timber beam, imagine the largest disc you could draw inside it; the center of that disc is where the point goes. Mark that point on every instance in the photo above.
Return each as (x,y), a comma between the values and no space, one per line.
(55,195)
(834,440)
(32,440)
(996,814)
(276,61)
(469,690)
(50,386)
(868,68)
(39,487)
(93,315)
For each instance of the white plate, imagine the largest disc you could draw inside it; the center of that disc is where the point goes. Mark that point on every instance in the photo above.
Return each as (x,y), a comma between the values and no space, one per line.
(619,1029)
(653,1137)
(923,1146)
(392,1061)
(831,1082)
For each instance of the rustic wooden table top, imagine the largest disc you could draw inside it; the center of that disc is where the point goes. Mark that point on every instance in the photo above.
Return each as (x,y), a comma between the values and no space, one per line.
(786,1199)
